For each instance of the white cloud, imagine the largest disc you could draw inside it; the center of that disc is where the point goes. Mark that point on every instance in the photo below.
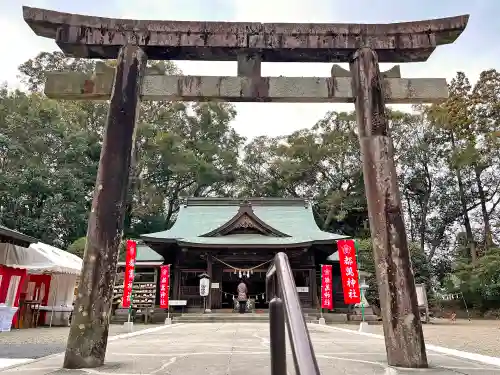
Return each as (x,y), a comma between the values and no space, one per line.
(253,118)
(19,42)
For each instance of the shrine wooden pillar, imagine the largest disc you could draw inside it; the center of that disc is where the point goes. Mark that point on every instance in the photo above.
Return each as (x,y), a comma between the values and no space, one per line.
(313,288)
(177,279)
(210,274)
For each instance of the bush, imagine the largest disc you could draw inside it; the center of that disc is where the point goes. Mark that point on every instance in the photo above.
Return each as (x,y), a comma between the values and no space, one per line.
(78,248)
(421,269)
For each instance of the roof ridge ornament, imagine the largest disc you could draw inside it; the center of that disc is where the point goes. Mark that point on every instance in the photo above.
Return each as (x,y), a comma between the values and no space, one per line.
(245,218)
(245,205)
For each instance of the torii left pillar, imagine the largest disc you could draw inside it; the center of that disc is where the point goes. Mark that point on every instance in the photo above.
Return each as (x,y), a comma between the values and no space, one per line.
(88,337)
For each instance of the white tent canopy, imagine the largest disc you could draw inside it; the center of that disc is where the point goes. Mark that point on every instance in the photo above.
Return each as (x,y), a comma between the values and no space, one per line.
(40,258)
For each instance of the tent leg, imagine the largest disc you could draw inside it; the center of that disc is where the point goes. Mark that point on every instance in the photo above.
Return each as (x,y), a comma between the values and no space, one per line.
(53,305)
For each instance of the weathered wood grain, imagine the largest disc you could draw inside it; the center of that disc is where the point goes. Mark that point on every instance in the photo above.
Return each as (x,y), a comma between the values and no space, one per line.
(398,297)
(78,86)
(99,37)
(88,335)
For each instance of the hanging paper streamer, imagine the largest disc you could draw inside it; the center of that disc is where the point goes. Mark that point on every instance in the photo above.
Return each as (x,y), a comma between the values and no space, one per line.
(349,271)
(326,287)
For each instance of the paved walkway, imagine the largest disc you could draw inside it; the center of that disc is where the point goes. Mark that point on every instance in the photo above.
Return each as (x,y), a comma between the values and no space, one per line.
(477,336)
(24,344)
(242,349)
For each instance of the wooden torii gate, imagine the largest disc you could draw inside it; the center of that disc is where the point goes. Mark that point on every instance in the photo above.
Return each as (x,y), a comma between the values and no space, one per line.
(132,42)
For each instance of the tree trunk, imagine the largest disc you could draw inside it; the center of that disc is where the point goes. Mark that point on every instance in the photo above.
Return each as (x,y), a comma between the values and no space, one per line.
(424,210)
(465,213)
(404,339)
(488,239)
(410,217)
(134,180)
(88,336)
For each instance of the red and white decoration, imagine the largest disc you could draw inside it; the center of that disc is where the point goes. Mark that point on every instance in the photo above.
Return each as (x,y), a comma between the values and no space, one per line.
(164,286)
(349,271)
(129,272)
(326,287)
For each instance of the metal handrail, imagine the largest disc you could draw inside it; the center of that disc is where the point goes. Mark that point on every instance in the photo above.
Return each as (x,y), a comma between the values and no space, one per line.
(280,286)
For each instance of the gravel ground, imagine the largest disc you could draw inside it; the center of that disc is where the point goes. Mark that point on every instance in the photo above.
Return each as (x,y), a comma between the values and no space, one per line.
(39,342)
(477,336)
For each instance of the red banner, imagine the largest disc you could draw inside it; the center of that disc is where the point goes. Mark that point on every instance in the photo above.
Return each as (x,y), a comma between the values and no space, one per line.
(164,284)
(349,271)
(326,287)
(128,281)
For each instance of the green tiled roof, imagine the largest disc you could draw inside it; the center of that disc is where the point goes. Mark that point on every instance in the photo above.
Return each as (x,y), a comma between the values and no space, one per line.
(293,217)
(146,254)
(334,257)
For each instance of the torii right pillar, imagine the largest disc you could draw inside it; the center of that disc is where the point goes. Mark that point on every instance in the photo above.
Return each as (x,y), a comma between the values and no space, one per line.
(404,338)
(398,298)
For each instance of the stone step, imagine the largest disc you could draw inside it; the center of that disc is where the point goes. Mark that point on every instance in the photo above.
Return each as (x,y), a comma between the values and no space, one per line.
(228,317)
(368,318)
(235,318)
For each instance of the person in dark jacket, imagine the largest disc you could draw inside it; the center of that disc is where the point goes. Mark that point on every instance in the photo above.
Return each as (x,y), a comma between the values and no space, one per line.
(242,296)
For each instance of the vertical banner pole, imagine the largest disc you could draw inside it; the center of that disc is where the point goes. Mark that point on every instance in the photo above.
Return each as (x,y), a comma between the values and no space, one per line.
(168,308)
(168,292)
(321,293)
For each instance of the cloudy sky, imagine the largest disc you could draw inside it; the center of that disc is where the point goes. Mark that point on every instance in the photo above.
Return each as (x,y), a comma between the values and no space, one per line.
(476,50)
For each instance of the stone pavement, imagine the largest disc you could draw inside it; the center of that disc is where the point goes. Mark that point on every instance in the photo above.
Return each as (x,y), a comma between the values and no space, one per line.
(242,349)
(477,336)
(42,341)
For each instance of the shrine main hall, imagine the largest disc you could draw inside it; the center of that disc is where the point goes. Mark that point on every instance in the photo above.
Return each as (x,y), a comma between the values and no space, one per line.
(229,239)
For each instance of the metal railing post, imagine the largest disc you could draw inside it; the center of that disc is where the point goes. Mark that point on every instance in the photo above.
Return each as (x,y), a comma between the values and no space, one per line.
(285,306)
(277,336)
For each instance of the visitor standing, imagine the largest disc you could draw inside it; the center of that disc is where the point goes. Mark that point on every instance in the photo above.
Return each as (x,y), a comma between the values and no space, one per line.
(242,296)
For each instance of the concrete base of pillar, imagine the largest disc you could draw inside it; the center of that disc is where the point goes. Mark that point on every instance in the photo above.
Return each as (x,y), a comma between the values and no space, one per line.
(391,371)
(322,321)
(129,326)
(168,321)
(208,310)
(363,327)
(401,370)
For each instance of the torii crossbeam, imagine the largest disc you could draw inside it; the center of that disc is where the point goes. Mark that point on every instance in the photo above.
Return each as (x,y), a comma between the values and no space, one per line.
(157,86)
(363,46)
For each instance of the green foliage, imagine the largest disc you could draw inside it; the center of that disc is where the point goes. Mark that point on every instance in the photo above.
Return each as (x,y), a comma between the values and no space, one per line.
(78,248)
(49,153)
(447,157)
(480,282)
(420,264)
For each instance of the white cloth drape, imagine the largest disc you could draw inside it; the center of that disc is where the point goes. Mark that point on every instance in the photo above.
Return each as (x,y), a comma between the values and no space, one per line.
(40,258)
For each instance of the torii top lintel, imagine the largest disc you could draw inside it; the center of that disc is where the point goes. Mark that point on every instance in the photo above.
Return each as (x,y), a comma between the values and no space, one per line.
(98,37)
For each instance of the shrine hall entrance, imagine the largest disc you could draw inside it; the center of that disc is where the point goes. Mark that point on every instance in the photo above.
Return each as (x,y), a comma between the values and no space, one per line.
(256,285)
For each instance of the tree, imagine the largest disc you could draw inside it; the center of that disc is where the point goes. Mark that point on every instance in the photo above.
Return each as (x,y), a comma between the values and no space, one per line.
(49,152)
(420,264)
(47,168)
(78,248)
